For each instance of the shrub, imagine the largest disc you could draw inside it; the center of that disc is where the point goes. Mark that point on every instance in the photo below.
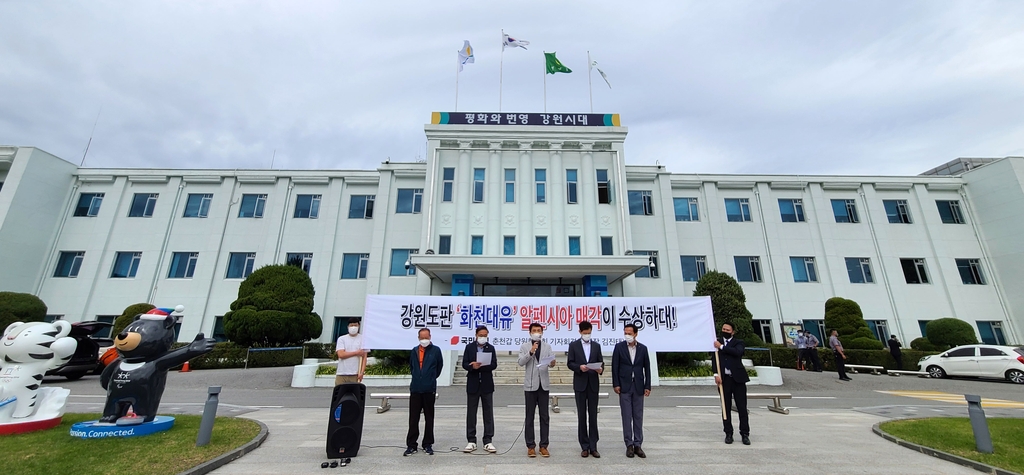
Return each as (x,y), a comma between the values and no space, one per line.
(786,358)
(128,315)
(729,305)
(845,316)
(681,359)
(230,355)
(20,307)
(392,357)
(923,344)
(274,308)
(949,332)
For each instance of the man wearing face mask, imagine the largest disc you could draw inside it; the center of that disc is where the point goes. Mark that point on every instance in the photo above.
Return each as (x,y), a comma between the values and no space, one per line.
(351,355)
(425,365)
(631,379)
(731,377)
(479,389)
(536,382)
(586,383)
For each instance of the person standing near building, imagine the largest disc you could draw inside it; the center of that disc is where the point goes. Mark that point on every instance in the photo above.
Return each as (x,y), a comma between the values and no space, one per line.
(631,380)
(586,383)
(479,389)
(731,377)
(425,364)
(351,355)
(837,350)
(532,355)
(811,350)
(801,350)
(894,350)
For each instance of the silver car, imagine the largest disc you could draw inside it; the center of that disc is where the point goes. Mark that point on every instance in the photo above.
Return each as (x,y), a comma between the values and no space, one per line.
(983,361)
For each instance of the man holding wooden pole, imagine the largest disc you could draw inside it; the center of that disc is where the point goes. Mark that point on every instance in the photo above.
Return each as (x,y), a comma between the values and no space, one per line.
(731,377)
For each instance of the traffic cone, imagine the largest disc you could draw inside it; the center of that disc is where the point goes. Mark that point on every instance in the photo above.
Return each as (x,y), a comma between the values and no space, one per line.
(185,368)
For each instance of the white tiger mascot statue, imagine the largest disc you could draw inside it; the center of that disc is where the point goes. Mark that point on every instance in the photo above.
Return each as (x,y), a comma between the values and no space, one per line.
(27,352)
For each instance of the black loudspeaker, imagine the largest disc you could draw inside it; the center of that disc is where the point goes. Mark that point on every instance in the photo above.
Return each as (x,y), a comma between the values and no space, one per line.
(345,428)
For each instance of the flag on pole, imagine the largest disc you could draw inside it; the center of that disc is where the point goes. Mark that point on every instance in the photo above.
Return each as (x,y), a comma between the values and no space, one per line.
(512,42)
(593,65)
(465,54)
(553,65)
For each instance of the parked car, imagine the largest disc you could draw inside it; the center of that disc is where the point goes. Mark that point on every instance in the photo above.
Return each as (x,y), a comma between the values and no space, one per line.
(87,355)
(983,361)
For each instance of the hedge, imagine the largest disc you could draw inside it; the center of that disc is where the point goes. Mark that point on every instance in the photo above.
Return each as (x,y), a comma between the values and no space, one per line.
(950,332)
(786,358)
(20,307)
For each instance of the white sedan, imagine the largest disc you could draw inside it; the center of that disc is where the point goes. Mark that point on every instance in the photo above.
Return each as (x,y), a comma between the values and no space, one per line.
(985,361)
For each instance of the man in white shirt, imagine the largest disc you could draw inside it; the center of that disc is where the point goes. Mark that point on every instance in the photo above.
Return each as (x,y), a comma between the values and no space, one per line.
(351,355)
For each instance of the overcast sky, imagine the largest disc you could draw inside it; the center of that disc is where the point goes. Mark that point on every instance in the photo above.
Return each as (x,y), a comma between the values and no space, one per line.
(792,87)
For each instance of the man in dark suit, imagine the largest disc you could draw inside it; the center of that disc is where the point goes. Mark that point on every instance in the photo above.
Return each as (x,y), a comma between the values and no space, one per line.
(894,350)
(479,388)
(631,379)
(731,377)
(425,364)
(585,382)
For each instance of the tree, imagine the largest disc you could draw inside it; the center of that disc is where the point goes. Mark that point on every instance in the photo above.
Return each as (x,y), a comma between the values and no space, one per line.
(274,308)
(128,315)
(949,332)
(19,307)
(845,316)
(729,305)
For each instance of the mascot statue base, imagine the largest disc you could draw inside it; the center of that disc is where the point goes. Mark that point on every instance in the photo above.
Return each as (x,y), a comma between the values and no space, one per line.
(51,402)
(27,352)
(103,430)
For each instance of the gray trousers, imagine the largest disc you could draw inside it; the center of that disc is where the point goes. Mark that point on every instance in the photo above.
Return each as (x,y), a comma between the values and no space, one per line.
(632,406)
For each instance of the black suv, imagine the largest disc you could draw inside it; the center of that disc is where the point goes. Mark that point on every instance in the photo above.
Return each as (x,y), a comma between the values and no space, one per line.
(87,355)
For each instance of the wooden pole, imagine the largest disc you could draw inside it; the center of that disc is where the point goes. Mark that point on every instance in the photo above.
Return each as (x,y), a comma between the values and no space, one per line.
(721,393)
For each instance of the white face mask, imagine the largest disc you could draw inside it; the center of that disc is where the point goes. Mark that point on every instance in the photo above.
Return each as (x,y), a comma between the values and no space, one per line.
(481,340)
(353,330)
(630,338)
(535,336)
(585,337)
(425,343)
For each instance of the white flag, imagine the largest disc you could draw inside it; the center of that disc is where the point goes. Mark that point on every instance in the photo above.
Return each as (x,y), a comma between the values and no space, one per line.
(465,54)
(512,42)
(593,65)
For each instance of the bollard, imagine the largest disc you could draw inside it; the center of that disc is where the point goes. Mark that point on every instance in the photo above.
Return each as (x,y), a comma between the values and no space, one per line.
(209,414)
(982,437)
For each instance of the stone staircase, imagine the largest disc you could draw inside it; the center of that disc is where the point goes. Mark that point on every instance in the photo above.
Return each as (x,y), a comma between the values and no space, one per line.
(510,373)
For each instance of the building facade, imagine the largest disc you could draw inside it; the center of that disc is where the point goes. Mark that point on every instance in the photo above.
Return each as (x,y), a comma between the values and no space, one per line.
(500,207)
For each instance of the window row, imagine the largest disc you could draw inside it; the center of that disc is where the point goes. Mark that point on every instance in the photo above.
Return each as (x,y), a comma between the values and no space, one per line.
(748,269)
(791,210)
(540,178)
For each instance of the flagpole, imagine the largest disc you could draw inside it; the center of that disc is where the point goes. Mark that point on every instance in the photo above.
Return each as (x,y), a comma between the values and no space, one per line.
(590,84)
(545,91)
(458,62)
(501,67)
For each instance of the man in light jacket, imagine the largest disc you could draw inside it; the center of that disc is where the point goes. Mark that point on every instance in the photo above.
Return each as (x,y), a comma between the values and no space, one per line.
(535,384)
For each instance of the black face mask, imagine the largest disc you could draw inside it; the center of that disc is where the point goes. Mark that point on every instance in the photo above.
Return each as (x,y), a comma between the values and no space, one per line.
(726,335)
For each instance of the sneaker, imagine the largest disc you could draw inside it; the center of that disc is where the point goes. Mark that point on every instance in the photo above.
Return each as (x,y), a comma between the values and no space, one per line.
(470,448)
(409,451)
(490,448)
(429,450)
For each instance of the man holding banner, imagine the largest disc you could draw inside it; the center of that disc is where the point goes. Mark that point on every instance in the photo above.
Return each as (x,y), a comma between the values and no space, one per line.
(536,356)
(731,377)
(587,364)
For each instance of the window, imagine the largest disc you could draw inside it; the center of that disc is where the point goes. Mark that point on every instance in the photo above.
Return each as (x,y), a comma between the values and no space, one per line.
(803,269)
(240,264)
(694,267)
(763,328)
(509,246)
(105,332)
(252,206)
(476,245)
(510,185)
(143,205)
(361,206)
(651,270)
(970,271)
(986,351)
(307,206)
(540,175)
(302,260)
(353,266)
(574,245)
(737,209)
(914,271)
(541,245)
(817,328)
(198,205)
(991,334)
(686,209)
(570,186)
(218,329)
(897,211)
(478,185)
(640,203)
(792,210)
(183,265)
(89,204)
(604,187)
(444,245)
(400,264)
(606,246)
(68,263)
(126,264)
(340,327)
(748,268)
(923,325)
(447,189)
(845,211)
(410,200)
(880,329)
(52,318)
(859,269)
(949,211)
(961,353)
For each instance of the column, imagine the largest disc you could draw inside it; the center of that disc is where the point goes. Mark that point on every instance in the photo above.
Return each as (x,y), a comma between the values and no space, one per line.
(495,179)
(588,200)
(558,244)
(463,197)
(525,242)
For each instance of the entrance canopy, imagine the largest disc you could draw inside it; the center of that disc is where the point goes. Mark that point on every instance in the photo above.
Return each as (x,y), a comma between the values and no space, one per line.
(442,266)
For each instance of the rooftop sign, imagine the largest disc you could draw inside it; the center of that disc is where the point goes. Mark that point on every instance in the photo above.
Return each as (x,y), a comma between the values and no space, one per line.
(508,118)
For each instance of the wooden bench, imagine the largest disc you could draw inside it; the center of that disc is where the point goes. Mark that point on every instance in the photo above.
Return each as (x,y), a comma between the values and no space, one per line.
(901,372)
(555,396)
(385,398)
(872,369)
(776,399)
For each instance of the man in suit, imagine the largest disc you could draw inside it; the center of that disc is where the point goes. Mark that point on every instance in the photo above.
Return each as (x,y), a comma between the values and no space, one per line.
(536,382)
(894,350)
(479,388)
(631,379)
(585,383)
(731,377)
(425,365)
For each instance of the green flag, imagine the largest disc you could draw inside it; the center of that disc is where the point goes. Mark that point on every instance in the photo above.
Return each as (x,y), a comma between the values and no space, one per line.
(554,65)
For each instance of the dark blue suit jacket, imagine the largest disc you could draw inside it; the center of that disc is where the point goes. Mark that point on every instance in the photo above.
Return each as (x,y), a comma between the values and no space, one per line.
(479,380)
(589,381)
(631,376)
(731,356)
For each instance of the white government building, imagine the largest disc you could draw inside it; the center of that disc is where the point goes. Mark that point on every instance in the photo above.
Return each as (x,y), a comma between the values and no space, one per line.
(520,205)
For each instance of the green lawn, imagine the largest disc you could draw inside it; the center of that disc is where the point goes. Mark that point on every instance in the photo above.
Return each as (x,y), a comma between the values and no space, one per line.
(170,452)
(954,435)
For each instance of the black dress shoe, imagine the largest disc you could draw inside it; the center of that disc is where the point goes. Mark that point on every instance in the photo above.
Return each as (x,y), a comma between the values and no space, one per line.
(585,454)
(629,451)
(595,454)
(728,439)
(746,440)
(639,452)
